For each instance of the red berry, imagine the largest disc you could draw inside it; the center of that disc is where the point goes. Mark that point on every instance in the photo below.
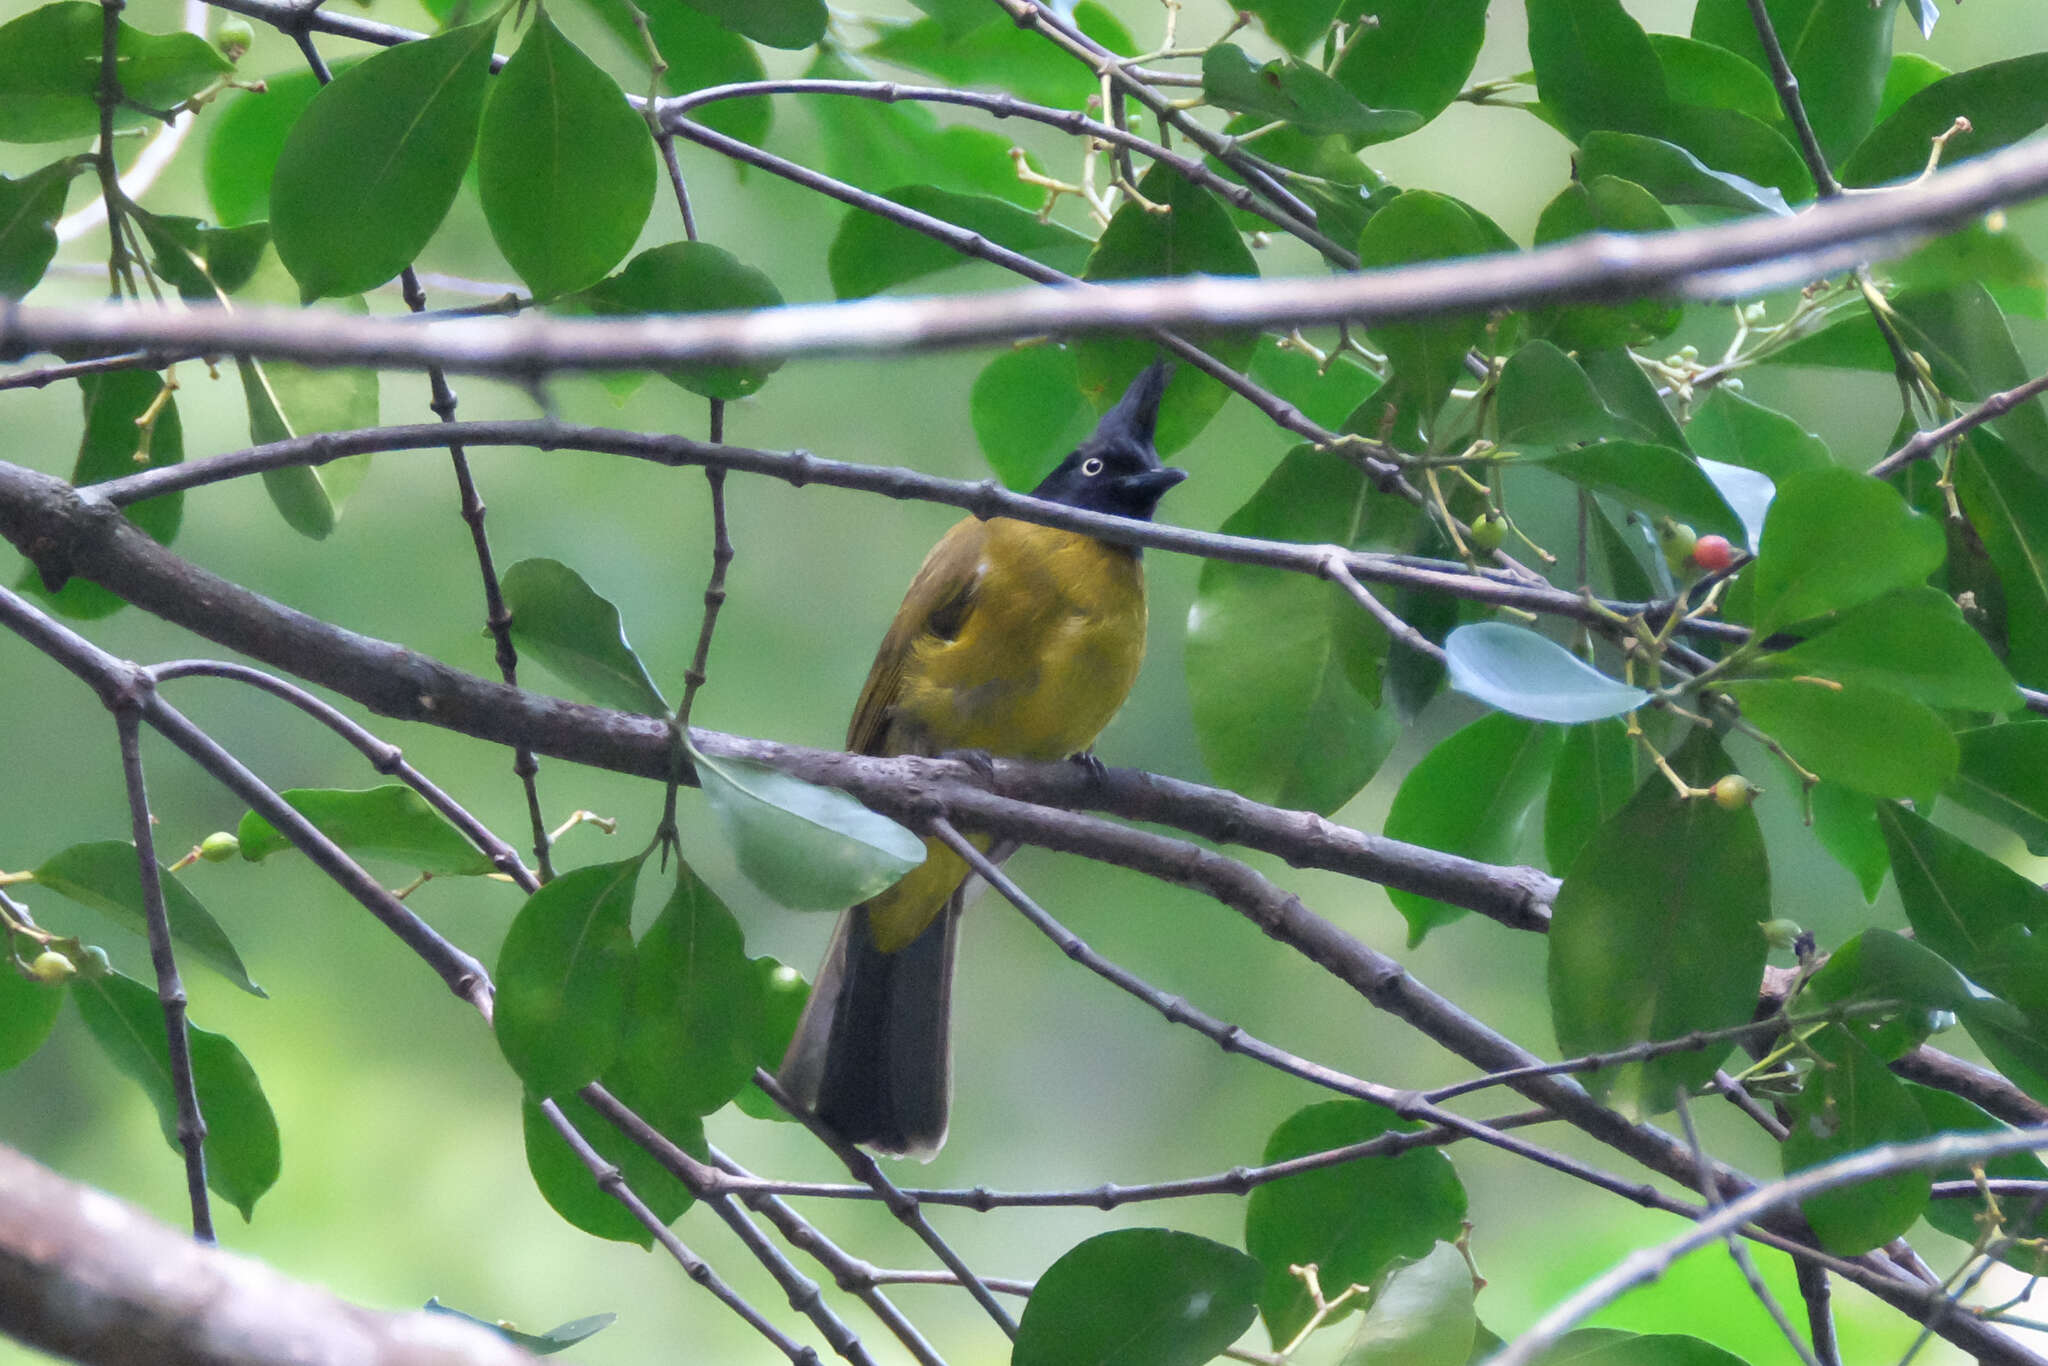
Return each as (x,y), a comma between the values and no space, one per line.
(1713,553)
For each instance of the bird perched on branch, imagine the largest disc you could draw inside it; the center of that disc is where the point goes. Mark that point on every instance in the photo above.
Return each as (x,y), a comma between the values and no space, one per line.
(1016,640)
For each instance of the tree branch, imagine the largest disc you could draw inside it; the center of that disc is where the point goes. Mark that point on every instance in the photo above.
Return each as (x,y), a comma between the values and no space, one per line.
(1691,263)
(88,1277)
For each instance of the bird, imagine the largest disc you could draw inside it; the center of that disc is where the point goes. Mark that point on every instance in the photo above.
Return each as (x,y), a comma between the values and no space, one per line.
(1013,640)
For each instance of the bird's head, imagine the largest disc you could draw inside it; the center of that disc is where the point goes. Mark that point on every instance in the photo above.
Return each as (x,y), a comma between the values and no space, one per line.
(1116,470)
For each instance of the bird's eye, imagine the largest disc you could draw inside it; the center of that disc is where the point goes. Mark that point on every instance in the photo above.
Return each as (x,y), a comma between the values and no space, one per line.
(1092,466)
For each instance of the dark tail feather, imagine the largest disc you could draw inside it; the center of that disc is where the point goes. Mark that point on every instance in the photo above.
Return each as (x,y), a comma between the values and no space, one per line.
(871,1055)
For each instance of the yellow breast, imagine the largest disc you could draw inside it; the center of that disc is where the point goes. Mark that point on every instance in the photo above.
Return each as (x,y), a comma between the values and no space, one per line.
(1047,654)
(1044,658)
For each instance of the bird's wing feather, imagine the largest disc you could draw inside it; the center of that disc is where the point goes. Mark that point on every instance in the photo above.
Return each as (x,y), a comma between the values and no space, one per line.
(939,601)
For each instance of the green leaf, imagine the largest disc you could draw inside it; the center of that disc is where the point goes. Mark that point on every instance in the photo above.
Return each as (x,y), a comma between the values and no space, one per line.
(1325,395)
(1839,50)
(1880,966)
(810,848)
(1194,237)
(50,72)
(1617,556)
(1653,478)
(1835,539)
(248,137)
(1545,399)
(1613,1347)
(700,52)
(1595,67)
(1708,74)
(297,491)
(203,261)
(880,146)
(1743,150)
(1950,1114)
(1674,175)
(1851,1102)
(958,16)
(1421,1315)
(2002,775)
(565,167)
(565,977)
(1845,823)
(1138,1297)
(2007,504)
(1000,55)
(389,822)
(242,1151)
(1628,392)
(1987,252)
(1419,225)
(1284,672)
(692,277)
(1516,670)
(1962,903)
(1602,203)
(560,620)
(2004,102)
(110,448)
(1351,1220)
(1416,57)
(372,166)
(29,210)
(1594,778)
(1654,933)
(694,1027)
(1293,24)
(1738,431)
(780,993)
(569,1186)
(1028,412)
(1965,339)
(28,1008)
(1866,737)
(778,23)
(1908,75)
(1470,795)
(870,253)
(557,1339)
(106,875)
(1911,640)
(1295,93)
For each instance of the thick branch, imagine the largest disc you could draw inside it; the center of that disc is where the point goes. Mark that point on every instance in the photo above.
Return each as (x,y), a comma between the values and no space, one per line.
(1691,263)
(85,1276)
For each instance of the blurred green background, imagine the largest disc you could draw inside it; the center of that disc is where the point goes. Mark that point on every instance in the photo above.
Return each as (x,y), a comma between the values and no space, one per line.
(403,1171)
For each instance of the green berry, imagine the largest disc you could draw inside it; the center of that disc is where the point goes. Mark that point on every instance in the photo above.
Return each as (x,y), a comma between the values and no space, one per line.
(1734,792)
(1780,934)
(94,962)
(1676,539)
(219,847)
(233,37)
(52,967)
(1489,530)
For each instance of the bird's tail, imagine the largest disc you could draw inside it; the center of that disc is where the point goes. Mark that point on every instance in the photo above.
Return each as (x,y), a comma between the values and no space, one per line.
(871,1055)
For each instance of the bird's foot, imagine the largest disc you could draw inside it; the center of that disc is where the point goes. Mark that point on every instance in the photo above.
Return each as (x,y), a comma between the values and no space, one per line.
(980,760)
(1097,771)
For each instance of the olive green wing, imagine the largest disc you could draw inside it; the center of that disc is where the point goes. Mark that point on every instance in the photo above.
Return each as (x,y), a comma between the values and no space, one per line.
(938,603)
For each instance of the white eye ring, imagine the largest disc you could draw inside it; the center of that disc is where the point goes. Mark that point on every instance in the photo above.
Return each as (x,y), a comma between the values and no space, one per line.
(1092,466)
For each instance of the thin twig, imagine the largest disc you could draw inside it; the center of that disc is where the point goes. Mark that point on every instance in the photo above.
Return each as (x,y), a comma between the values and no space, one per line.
(1743,1262)
(612,1183)
(1926,443)
(170,987)
(899,1203)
